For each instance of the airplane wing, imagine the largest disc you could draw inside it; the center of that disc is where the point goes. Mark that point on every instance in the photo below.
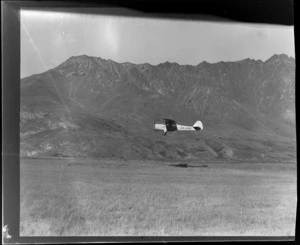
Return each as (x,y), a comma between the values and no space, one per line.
(170,124)
(169,120)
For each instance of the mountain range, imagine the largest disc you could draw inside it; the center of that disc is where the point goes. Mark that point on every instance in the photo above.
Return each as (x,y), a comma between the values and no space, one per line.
(92,107)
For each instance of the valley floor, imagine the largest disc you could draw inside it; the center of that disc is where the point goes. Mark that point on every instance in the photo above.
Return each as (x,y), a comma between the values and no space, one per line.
(88,197)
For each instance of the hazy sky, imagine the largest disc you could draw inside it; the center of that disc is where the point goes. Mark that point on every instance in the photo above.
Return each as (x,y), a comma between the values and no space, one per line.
(49,38)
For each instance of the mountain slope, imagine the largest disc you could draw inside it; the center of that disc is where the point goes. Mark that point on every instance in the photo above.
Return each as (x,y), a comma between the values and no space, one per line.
(107,109)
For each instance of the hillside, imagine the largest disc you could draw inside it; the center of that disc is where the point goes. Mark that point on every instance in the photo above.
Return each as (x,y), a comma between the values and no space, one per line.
(91,107)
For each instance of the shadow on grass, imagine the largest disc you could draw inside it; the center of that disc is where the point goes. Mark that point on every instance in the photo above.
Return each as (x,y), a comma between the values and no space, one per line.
(185,165)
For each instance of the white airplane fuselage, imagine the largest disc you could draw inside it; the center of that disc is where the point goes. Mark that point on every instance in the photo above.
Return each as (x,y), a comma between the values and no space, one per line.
(185,128)
(197,126)
(163,127)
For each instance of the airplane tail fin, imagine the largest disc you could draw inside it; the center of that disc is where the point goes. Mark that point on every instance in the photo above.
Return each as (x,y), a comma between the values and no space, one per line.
(198,125)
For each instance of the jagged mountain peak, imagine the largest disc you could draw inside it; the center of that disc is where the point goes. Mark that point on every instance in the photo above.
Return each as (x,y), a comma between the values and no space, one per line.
(204,63)
(168,64)
(145,65)
(249,60)
(279,57)
(77,60)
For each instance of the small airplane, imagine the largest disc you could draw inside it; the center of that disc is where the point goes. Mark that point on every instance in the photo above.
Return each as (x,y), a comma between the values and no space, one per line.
(170,125)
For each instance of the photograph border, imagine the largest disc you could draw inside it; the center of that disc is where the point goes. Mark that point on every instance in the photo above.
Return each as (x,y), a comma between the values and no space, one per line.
(254,11)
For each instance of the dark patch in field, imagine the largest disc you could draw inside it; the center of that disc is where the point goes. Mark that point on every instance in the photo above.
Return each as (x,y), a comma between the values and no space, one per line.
(185,165)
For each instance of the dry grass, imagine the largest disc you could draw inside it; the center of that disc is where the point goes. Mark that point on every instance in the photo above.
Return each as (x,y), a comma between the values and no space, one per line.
(105,197)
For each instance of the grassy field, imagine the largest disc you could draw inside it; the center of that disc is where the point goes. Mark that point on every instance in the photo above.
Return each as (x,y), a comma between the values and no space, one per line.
(73,197)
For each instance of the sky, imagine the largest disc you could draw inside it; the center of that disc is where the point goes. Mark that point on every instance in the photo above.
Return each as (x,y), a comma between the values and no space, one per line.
(48,38)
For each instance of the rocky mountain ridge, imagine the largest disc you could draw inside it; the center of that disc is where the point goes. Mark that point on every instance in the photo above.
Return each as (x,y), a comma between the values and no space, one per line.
(250,98)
